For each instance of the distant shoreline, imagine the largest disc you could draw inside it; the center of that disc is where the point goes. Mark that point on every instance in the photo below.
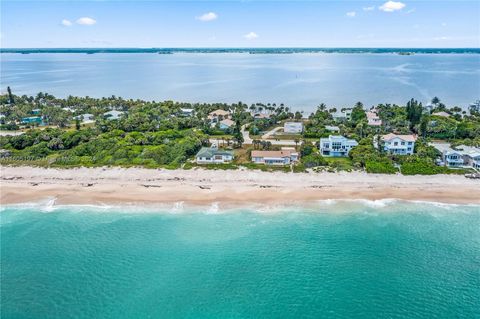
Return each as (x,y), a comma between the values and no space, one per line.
(400,51)
(100,186)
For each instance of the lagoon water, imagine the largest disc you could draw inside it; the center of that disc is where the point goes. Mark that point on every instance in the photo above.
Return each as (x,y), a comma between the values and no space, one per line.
(301,81)
(383,259)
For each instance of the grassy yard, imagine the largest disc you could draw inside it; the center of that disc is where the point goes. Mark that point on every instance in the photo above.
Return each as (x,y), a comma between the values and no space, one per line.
(242,155)
(340,163)
(285,137)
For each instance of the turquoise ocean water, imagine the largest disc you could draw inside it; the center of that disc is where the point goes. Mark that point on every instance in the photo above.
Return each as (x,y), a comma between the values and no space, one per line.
(384,259)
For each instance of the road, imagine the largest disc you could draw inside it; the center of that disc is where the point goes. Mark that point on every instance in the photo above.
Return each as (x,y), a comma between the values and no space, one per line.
(11,133)
(248,141)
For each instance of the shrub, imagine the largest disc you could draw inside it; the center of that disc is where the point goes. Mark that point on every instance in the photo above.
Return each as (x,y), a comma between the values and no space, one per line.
(380,167)
(420,167)
(313,160)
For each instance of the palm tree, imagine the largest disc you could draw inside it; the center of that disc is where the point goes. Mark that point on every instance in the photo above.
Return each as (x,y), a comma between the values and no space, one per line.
(296,142)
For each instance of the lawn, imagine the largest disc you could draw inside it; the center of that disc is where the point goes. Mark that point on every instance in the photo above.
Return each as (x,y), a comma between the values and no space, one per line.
(340,163)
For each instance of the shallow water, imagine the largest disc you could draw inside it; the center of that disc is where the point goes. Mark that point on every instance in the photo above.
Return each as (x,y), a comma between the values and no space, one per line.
(383,259)
(301,81)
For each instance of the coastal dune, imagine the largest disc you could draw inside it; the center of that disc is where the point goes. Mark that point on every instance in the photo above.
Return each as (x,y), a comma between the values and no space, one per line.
(199,186)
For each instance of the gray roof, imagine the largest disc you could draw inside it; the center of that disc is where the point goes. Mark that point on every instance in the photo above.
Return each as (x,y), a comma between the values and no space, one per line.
(210,152)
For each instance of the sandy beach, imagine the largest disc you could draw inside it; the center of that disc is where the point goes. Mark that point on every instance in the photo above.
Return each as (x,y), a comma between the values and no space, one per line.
(137,185)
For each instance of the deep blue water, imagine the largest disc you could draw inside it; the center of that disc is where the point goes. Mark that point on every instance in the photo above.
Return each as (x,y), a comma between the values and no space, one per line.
(344,260)
(301,81)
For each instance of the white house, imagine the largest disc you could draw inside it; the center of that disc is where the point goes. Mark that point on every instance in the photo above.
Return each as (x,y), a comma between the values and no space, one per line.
(113,115)
(471,156)
(373,119)
(399,144)
(186,112)
(336,146)
(218,115)
(86,118)
(293,127)
(452,158)
(212,155)
(285,156)
(332,128)
(341,115)
(441,114)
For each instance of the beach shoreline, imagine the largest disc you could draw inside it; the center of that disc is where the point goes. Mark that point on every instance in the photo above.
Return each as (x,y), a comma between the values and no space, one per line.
(101,186)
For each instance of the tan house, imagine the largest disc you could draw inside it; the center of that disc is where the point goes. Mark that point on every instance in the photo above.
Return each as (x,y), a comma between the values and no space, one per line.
(218,115)
(373,119)
(285,156)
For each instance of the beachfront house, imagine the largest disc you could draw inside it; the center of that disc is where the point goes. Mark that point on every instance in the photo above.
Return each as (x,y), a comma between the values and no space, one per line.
(213,155)
(218,115)
(473,160)
(471,156)
(452,158)
(399,144)
(336,146)
(293,127)
(285,156)
(113,115)
(373,118)
(342,115)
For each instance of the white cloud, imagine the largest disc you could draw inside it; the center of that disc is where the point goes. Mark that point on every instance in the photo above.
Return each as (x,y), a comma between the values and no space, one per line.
(351,14)
(209,16)
(369,8)
(391,6)
(251,36)
(86,21)
(67,23)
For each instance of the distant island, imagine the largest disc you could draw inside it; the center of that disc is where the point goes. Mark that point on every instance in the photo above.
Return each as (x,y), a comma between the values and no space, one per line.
(402,51)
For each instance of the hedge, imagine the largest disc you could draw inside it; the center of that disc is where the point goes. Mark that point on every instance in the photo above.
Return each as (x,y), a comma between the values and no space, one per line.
(383,167)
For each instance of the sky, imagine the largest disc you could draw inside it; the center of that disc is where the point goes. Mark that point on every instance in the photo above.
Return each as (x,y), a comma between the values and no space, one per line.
(247,23)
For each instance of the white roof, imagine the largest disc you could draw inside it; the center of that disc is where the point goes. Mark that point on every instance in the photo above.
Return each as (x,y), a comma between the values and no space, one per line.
(339,138)
(443,114)
(113,113)
(332,128)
